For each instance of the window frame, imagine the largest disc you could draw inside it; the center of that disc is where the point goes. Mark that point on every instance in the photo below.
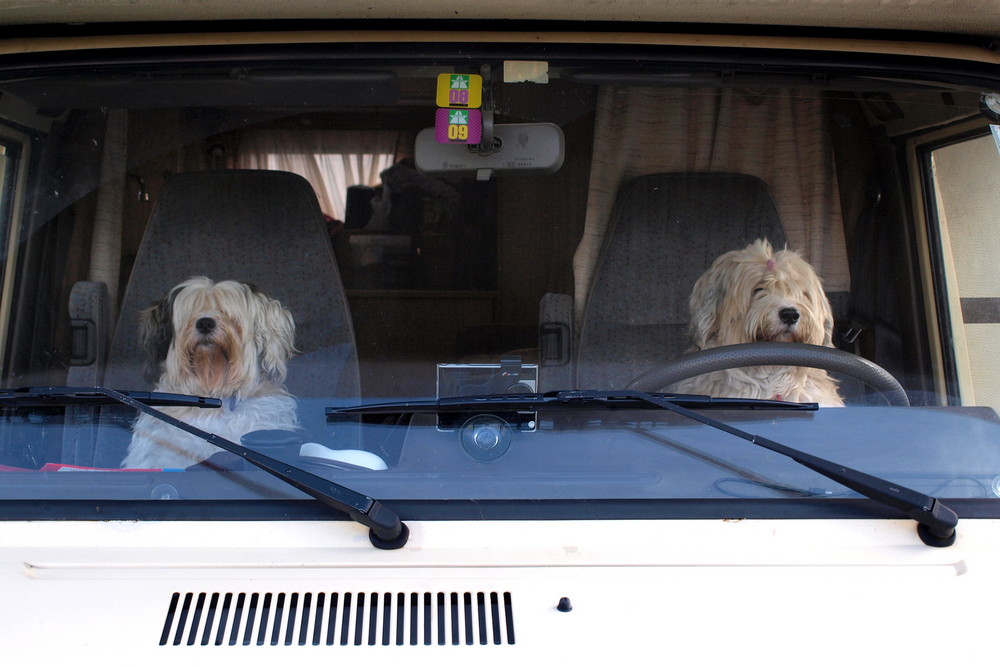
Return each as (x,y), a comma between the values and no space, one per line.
(13,183)
(941,299)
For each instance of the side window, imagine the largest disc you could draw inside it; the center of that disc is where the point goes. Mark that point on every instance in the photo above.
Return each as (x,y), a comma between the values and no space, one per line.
(10,156)
(966,196)
(8,170)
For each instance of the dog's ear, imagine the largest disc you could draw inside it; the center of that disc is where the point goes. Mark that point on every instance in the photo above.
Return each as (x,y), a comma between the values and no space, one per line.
(822,311)
(826,313)
(275,337)
(703,326)
(156,333)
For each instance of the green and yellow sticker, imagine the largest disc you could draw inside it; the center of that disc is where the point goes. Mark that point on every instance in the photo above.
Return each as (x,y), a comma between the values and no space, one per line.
(459,91)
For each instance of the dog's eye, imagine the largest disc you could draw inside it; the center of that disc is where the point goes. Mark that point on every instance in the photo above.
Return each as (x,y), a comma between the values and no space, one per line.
(757,291)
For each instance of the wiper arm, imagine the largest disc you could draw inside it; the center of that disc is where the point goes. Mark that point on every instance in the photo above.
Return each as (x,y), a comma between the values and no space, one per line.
(561,400)
(935,521)
(386,530)
(40,397)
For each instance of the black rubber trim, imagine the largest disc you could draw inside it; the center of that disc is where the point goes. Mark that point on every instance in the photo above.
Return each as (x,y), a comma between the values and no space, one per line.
(482,510)
(957,72)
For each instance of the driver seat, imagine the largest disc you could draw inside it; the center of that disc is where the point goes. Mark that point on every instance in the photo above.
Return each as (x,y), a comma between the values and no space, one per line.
(255,226)
(665,230)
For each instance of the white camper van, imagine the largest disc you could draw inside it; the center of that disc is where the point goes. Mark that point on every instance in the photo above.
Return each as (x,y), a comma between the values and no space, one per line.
(456,334)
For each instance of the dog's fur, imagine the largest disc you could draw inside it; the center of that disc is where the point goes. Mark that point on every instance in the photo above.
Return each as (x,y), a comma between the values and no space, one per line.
(754,295)
(226,340)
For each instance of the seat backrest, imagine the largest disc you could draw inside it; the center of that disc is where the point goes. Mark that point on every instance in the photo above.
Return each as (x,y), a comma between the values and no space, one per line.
(664,232)
(255,226)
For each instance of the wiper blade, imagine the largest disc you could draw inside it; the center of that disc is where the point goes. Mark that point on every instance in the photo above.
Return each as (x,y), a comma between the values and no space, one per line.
(40,397)
(562,400)
(386,530)
(935,521)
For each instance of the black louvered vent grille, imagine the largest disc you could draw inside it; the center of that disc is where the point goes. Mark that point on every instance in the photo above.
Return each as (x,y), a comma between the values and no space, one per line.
(338,619)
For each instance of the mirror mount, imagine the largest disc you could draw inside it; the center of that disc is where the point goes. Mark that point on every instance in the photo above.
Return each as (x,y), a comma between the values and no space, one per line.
(486,143)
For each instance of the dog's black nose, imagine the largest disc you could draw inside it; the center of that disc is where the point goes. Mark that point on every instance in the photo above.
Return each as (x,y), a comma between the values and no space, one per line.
(206,325)
(789,315)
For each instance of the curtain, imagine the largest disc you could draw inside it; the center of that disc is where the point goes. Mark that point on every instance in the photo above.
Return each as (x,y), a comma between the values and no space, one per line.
(777,135)
(330,160)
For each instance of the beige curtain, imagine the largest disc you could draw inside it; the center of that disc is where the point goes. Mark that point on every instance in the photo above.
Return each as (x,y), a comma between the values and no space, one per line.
(330,160)
(776,135)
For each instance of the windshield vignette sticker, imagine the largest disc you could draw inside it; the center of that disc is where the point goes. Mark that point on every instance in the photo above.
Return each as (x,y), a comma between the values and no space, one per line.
(458,126)
(460,91)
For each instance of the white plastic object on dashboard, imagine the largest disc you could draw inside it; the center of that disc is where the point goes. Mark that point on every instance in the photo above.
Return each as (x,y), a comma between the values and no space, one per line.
(356,457)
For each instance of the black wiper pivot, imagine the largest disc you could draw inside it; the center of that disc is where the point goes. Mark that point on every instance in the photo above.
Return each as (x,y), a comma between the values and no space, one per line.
(386,530)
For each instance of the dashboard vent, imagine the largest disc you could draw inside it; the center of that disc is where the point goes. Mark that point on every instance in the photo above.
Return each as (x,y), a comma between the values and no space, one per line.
(338,619)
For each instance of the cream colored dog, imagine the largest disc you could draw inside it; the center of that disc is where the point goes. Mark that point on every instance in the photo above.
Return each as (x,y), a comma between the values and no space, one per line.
(225,340)
(759,295)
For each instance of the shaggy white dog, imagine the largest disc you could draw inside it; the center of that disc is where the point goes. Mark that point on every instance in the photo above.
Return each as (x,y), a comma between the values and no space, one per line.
(759,295)
(226,340)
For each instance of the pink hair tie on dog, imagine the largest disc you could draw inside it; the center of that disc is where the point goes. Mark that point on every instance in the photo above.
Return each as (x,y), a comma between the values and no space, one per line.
(771,265)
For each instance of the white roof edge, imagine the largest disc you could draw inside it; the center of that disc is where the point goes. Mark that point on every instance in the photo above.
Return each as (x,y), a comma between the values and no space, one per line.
(23,45)
(961,17)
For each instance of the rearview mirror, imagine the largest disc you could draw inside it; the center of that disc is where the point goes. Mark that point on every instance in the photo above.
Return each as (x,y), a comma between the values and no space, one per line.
(516,147)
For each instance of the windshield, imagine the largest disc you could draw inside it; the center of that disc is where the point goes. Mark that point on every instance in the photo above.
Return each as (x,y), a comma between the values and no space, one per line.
(296,234)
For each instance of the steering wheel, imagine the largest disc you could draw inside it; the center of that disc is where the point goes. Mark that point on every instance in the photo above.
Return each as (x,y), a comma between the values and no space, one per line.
(772,354)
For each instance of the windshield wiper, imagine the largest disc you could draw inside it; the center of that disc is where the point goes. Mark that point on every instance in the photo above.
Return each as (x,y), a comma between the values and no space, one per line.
(386,530)
(935,521)
(575,399)
(40,397)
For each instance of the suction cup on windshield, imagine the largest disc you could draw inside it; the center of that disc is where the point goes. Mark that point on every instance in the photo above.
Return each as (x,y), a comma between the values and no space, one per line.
(486,437)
